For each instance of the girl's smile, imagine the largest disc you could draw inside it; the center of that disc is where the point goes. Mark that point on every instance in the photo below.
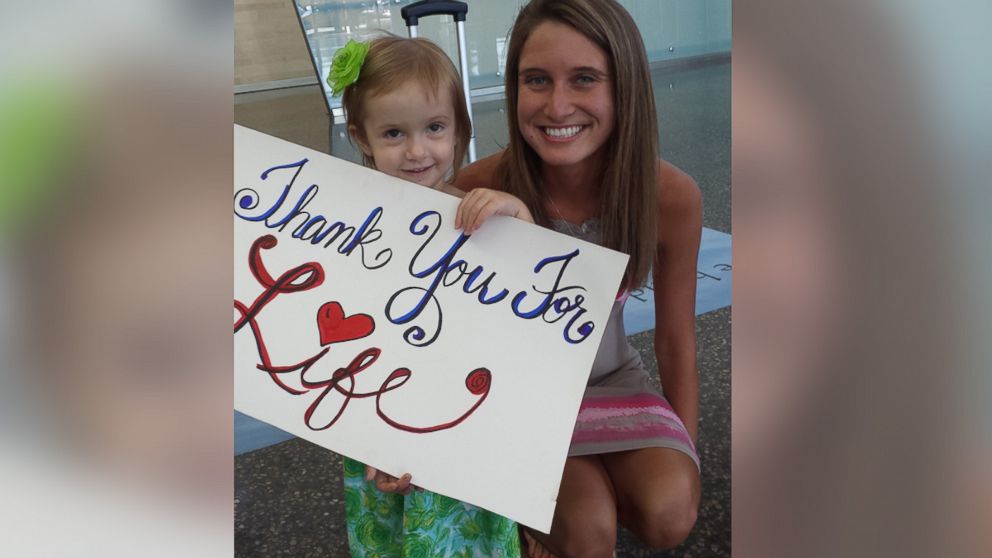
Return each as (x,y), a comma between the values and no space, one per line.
(417,173)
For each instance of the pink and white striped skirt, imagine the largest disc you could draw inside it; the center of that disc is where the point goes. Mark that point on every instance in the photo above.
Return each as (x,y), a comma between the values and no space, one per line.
(610,420)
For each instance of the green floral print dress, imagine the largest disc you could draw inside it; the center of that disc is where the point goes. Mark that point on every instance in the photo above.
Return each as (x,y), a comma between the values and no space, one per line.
(422,524)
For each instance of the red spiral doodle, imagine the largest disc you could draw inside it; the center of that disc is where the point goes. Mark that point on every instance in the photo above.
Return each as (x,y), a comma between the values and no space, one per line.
(478,381)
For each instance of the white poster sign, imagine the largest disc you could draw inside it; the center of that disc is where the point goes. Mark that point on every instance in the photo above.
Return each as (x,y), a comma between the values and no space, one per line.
(365,323)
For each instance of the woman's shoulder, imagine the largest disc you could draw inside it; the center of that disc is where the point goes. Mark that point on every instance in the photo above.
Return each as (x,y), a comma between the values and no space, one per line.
(479,174)
(680,207)
(678,193)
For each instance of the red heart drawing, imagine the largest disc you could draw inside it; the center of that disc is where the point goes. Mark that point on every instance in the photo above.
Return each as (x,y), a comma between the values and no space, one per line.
(334,327)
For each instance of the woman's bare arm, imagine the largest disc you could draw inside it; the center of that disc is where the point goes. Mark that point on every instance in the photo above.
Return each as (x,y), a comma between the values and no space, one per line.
(679,230)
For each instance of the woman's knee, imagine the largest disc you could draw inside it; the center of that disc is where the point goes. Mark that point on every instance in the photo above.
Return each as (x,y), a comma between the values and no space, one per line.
(585,522)
(665,522)
(658,493)
(588,537)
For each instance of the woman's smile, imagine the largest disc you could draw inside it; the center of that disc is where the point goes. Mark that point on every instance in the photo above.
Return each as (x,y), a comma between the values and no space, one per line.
(562,133)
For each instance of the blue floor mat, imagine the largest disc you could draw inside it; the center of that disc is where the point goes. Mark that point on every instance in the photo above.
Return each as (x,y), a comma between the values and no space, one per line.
(252,434)
(712,293)
(712,284)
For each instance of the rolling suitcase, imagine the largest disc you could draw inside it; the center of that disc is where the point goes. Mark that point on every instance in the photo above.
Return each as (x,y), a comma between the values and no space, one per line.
(457,10)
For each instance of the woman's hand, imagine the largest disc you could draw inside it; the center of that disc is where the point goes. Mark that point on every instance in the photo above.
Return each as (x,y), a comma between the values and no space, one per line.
(389,483)
(482,203)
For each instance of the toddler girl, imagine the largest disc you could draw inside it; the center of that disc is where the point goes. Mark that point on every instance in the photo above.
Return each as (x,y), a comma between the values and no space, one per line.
(406,113)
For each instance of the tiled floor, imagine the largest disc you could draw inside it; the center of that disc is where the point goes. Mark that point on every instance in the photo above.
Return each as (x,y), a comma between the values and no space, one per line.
(288,496)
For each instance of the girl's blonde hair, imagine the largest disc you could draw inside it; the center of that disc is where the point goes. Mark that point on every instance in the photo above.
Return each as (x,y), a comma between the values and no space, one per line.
(395,61)
(628,198)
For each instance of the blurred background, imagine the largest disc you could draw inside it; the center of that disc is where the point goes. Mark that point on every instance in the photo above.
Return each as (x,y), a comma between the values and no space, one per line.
(861,305)
(115,278)
(860,157)
(269,55)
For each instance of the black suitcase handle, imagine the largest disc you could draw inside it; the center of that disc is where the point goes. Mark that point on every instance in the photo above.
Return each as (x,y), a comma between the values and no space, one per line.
(413,12)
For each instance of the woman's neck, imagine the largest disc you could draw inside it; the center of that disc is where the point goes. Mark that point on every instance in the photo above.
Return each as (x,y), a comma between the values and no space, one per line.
(573,191)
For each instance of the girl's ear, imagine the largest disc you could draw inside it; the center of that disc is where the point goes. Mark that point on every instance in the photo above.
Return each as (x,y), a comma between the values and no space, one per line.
(359,138)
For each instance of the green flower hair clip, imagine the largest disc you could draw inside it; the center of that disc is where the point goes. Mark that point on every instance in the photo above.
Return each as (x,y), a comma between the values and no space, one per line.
(39,130)
(346,66)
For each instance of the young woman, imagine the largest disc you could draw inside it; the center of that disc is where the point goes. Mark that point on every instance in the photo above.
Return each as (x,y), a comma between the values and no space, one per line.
(583,157)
